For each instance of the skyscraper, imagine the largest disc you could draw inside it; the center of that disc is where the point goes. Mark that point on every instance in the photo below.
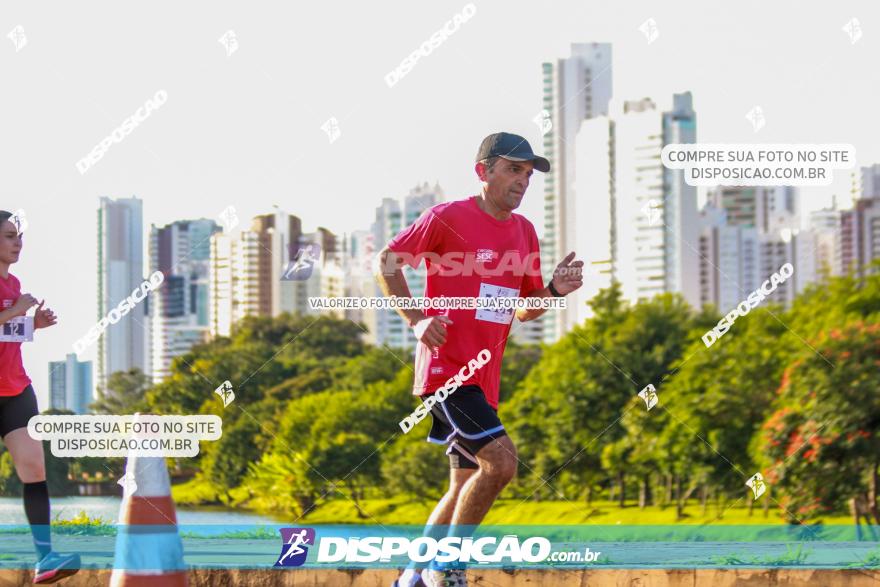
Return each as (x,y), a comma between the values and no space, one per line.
(575,89)
(326,274)
(860,227)
(235,280)
(729,259)
(180,309)
(248,271)
(70,385)
(654,226)
(391,218)
(123,345)
(359,250)
(759,233)
(767,209)
(825,223)
(592,199)
(870,181)
(775,252)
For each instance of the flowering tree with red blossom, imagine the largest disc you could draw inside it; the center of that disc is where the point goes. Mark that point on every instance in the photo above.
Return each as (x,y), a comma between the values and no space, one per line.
(821,445)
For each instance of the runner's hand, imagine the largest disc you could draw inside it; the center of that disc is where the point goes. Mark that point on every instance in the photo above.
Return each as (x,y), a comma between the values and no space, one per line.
(23,304)
(431,331)
(44,318)
(568,276)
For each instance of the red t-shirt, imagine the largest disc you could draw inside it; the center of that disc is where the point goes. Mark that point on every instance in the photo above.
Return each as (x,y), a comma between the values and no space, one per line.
(477,243)
(13,379)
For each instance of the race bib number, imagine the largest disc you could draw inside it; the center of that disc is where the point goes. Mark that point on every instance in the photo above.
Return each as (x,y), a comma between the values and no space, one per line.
(500,315)
(18,329)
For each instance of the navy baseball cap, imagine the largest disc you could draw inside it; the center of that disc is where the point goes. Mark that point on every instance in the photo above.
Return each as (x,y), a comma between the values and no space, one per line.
(512,147)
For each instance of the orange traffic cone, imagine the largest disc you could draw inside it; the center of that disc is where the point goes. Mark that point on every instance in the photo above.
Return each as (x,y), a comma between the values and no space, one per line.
(149,551)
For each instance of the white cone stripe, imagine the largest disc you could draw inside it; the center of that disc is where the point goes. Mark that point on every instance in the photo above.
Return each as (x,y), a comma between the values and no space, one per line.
(150,475)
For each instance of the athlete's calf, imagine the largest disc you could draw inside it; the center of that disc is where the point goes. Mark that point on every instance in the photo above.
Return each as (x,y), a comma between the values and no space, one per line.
(497,461)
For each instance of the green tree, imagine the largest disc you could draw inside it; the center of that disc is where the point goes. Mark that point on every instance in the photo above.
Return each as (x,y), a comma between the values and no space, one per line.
(311,444)
(349,459)
(821,446)
(124,393)
(718,400)
(413,467)
(260,355)
(519,359)
(570,403)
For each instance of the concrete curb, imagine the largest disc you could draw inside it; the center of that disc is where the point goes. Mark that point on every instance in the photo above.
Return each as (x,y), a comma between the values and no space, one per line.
(496,578)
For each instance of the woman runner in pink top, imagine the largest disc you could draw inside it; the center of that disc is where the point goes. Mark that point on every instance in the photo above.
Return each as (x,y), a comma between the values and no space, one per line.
(18,403)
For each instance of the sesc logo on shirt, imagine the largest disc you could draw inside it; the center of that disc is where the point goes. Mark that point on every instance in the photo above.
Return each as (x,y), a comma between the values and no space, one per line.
(484,255)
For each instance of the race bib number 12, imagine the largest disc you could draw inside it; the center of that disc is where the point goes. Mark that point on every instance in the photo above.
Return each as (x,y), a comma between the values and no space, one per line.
(18,329)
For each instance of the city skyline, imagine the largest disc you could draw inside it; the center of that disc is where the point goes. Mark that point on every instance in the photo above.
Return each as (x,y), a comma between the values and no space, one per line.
(740,233)
(191,153)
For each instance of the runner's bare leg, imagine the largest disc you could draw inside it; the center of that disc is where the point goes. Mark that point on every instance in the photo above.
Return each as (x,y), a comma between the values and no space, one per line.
(497,468)
(442,514)
(439,520)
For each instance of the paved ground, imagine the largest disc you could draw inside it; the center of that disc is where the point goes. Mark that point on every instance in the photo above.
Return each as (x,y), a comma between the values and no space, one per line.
(495,578)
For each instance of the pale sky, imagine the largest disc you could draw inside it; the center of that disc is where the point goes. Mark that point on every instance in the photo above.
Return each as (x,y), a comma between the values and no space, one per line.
(245,129)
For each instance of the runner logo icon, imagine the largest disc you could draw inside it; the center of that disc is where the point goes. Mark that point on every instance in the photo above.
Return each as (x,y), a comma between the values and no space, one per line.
(294,549)
(300,268)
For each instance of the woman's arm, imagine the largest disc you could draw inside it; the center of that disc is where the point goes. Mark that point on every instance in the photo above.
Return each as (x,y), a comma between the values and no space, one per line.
(19,308)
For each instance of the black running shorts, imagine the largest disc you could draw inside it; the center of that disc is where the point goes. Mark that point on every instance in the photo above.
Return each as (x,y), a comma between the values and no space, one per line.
(467,423)
(17,410)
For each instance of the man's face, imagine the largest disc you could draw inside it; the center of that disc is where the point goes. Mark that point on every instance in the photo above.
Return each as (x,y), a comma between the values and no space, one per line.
(506,184)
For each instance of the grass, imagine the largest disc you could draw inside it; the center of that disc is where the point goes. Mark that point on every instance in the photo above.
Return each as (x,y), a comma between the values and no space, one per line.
(404,511)
(82,524)
(512,511)
(256,534)
(792,557)
(193,492)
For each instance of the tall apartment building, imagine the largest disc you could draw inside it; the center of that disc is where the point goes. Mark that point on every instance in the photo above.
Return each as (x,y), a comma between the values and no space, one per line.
(234,280)
(326,280)
(70,385)
(825,224)
(860,226)
(248,271)
(652,212)
(575,89)
(774,253)
(124,345)
(391,218)
(757,231)
(181,310)
(767,209)
(870,181)
(358,252)
(730,265)
(860,235)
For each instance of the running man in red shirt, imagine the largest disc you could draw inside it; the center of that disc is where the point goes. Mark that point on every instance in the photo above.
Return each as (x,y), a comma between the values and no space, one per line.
(475,247)
(18,403)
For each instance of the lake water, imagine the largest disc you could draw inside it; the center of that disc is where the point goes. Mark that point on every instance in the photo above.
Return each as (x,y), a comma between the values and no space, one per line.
(107,507)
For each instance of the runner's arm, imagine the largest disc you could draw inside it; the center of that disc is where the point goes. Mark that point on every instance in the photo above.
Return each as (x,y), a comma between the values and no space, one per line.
(430,331)
(393,283)
(567,277)
(525,314)
(7,315)
(20,308)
